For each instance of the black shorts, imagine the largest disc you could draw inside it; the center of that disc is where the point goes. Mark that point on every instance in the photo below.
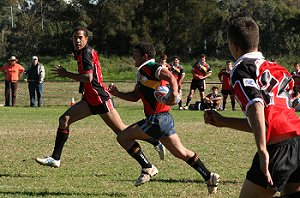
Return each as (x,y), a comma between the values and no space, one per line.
(198,84)
(105,107)
(226,92)
(284,165)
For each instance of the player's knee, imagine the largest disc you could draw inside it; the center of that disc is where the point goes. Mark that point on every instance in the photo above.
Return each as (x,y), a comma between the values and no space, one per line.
(63,121)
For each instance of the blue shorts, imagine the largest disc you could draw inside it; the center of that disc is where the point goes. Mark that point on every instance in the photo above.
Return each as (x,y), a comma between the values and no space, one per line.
(158,125)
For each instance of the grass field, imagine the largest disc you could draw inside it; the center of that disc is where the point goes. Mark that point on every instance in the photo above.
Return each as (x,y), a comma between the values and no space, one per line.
(94,165)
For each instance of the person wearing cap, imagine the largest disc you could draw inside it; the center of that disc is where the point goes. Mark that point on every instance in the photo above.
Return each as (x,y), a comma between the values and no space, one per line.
(12,71)
(35,75)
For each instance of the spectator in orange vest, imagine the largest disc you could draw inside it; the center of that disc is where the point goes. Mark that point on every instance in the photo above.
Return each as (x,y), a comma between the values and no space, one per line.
(12,71)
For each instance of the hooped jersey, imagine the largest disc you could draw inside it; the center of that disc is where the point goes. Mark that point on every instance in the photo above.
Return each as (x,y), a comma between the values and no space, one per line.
(225,76)
(177,71)
(95,92)
(201,69)
(147,82)
(256,80)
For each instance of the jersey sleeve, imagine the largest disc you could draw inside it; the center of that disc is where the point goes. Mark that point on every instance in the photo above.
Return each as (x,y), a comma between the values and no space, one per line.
(245,87)
(87,61)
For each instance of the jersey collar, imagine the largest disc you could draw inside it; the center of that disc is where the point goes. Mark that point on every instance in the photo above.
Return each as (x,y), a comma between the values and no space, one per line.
(145,63)
(251,55)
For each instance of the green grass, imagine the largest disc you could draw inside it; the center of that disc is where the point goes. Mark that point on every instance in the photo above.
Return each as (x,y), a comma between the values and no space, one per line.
(94,165)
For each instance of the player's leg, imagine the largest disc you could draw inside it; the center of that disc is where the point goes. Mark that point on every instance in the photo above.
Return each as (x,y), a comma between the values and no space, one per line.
(189,98)
(127,140)
(251,190)
(291,188)
(224,101)
(180,101)
(232,102)
(114,121)
(76,112)
(174,145)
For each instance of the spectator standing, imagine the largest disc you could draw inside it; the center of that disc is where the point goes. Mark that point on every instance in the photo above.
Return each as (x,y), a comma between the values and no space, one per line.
(179,73)
(263,91)
(224,77)
(12,71)
(201,70)
(35,75)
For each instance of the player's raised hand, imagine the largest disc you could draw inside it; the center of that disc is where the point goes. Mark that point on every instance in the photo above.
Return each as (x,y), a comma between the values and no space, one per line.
(59,71)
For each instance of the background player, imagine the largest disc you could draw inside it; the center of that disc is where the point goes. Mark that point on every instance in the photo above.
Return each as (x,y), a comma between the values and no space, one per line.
(201,70)
(224,77)
(179,73)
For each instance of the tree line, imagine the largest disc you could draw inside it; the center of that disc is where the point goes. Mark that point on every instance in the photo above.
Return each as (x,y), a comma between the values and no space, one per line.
(182,27)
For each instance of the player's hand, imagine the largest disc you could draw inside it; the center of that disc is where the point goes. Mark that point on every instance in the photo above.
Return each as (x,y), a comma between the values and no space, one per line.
(172,99)
(59,71)
(264,166)
(213,117)
(112,88)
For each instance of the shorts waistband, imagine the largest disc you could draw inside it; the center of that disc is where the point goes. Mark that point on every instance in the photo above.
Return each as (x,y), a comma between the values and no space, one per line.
(285,142)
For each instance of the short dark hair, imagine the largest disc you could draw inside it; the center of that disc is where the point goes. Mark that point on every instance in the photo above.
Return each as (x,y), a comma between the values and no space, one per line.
(146,48)
(244,32)
(214,87)
(81,28)
(176,57)
(228,61)
(203,56)
(163,56)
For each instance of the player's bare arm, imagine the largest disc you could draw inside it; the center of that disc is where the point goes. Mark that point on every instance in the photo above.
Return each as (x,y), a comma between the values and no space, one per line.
(62,72)
(257,121)
(216,119)
(132,96)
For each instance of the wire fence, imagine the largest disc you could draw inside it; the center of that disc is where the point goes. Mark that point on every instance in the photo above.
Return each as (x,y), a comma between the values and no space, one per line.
(61,93)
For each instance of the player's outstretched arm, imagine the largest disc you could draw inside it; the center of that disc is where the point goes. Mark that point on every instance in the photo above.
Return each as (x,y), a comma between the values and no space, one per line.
(214,118)
(132,96)
(62,72)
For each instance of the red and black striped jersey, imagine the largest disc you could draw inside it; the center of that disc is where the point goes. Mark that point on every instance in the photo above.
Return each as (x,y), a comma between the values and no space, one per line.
(201,69)
(225,76)
(147,82)
(95,92)
(177,71)
(256,80)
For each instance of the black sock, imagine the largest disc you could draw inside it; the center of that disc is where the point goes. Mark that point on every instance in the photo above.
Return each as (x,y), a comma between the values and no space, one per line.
(180,103)
(188,101)
(224,104)
(61,137)
(136,152)
(198,165)
(233,104)
(152,141)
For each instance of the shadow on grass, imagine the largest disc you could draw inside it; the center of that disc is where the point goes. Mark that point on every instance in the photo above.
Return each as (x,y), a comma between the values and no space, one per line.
(46,193)
(197,181)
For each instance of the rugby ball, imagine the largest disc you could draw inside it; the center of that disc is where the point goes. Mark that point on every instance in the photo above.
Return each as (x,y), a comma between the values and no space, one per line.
(162,93)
